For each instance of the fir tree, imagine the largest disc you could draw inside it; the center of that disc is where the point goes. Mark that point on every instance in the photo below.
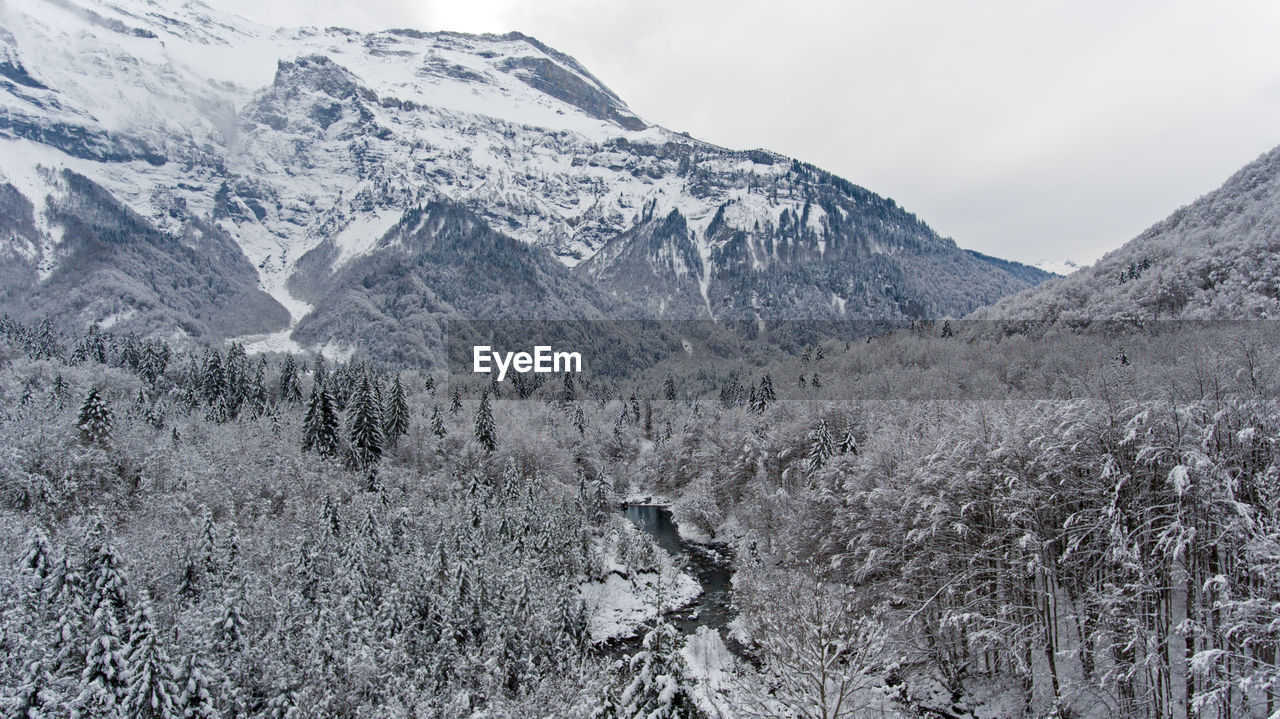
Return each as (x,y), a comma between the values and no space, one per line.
(437,423)
(821,446)
(152,693)
(213,378)
(657,689)
(669,388)
(36,696)
(848,443)
(290,389)
(365,423)
(396,414)
(239,385)
(486,431)
(108,584)
(195,700)
(455,402)
(767,395)
(95,419)
(38,559)
(60,392)
(320,426)
(259,397)
(140,402)
(229,625)
(104,683)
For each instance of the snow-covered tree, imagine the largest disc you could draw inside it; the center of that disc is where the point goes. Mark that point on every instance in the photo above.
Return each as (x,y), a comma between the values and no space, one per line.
(395,414)
(486,430)
(151,692)
(320,425)
(657,686)
(95,420)
(364,422)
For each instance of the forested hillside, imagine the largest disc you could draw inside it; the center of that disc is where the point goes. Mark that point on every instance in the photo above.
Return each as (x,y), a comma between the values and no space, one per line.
(230,536)
(1213,259)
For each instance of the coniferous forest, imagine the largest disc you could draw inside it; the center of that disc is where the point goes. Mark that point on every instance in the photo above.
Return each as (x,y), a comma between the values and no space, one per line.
(808,456)
(204,533)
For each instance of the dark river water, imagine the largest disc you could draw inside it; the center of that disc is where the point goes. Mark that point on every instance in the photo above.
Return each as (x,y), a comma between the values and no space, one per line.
(710,564)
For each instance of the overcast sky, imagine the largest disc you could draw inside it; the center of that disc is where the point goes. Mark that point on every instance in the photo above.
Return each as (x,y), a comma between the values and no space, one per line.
(1028,130)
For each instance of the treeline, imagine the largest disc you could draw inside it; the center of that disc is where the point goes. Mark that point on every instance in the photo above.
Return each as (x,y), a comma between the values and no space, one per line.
(1118,551)
(207,534)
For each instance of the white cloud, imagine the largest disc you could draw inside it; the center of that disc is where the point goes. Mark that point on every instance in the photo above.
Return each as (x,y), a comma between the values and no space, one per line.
(1027,130)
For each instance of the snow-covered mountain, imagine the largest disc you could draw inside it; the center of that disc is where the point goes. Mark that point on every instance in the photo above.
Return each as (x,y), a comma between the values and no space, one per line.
(168,167)
(1215,259)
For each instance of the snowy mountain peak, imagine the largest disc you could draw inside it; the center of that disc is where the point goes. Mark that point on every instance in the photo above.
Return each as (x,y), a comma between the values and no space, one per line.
(302,147)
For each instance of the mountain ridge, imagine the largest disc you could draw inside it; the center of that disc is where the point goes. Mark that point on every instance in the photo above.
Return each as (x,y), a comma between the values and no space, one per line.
(1211,259)
(307,168)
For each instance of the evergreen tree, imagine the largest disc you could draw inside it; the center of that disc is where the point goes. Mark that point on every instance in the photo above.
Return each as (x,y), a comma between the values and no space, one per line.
(848,444)
(669,388)
(365,422)
(155,358)
(657,689)
(104,683)
(579,420)
(290,389)
(152,693)
(455,402)
(36,695)
(437,423)
(140,402)
(38,559)
(195,700)
(107,581)
(259,397)
(94,421)
(320,370)
(229,624)
(396,414)
(60,392)
(767,395)
(213,378)
(821,446)
(486,431)
(239,386)
(320,426)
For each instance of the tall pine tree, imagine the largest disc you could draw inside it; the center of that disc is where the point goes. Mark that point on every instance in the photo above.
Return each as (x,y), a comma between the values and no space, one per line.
(364,420)
(486,430)
(94,421)
(396,414)
(320,426)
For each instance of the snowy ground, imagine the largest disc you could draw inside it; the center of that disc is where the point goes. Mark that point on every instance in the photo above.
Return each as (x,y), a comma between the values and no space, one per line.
(620,604)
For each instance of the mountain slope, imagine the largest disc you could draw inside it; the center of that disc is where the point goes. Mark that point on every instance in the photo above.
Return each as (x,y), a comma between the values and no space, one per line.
(295,151)
(1213,259)
(394,301)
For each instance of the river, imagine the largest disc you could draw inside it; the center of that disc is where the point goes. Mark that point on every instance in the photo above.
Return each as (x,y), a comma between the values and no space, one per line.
(710,564)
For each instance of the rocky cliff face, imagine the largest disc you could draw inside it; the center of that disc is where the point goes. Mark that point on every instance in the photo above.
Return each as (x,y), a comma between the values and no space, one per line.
(274,165)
